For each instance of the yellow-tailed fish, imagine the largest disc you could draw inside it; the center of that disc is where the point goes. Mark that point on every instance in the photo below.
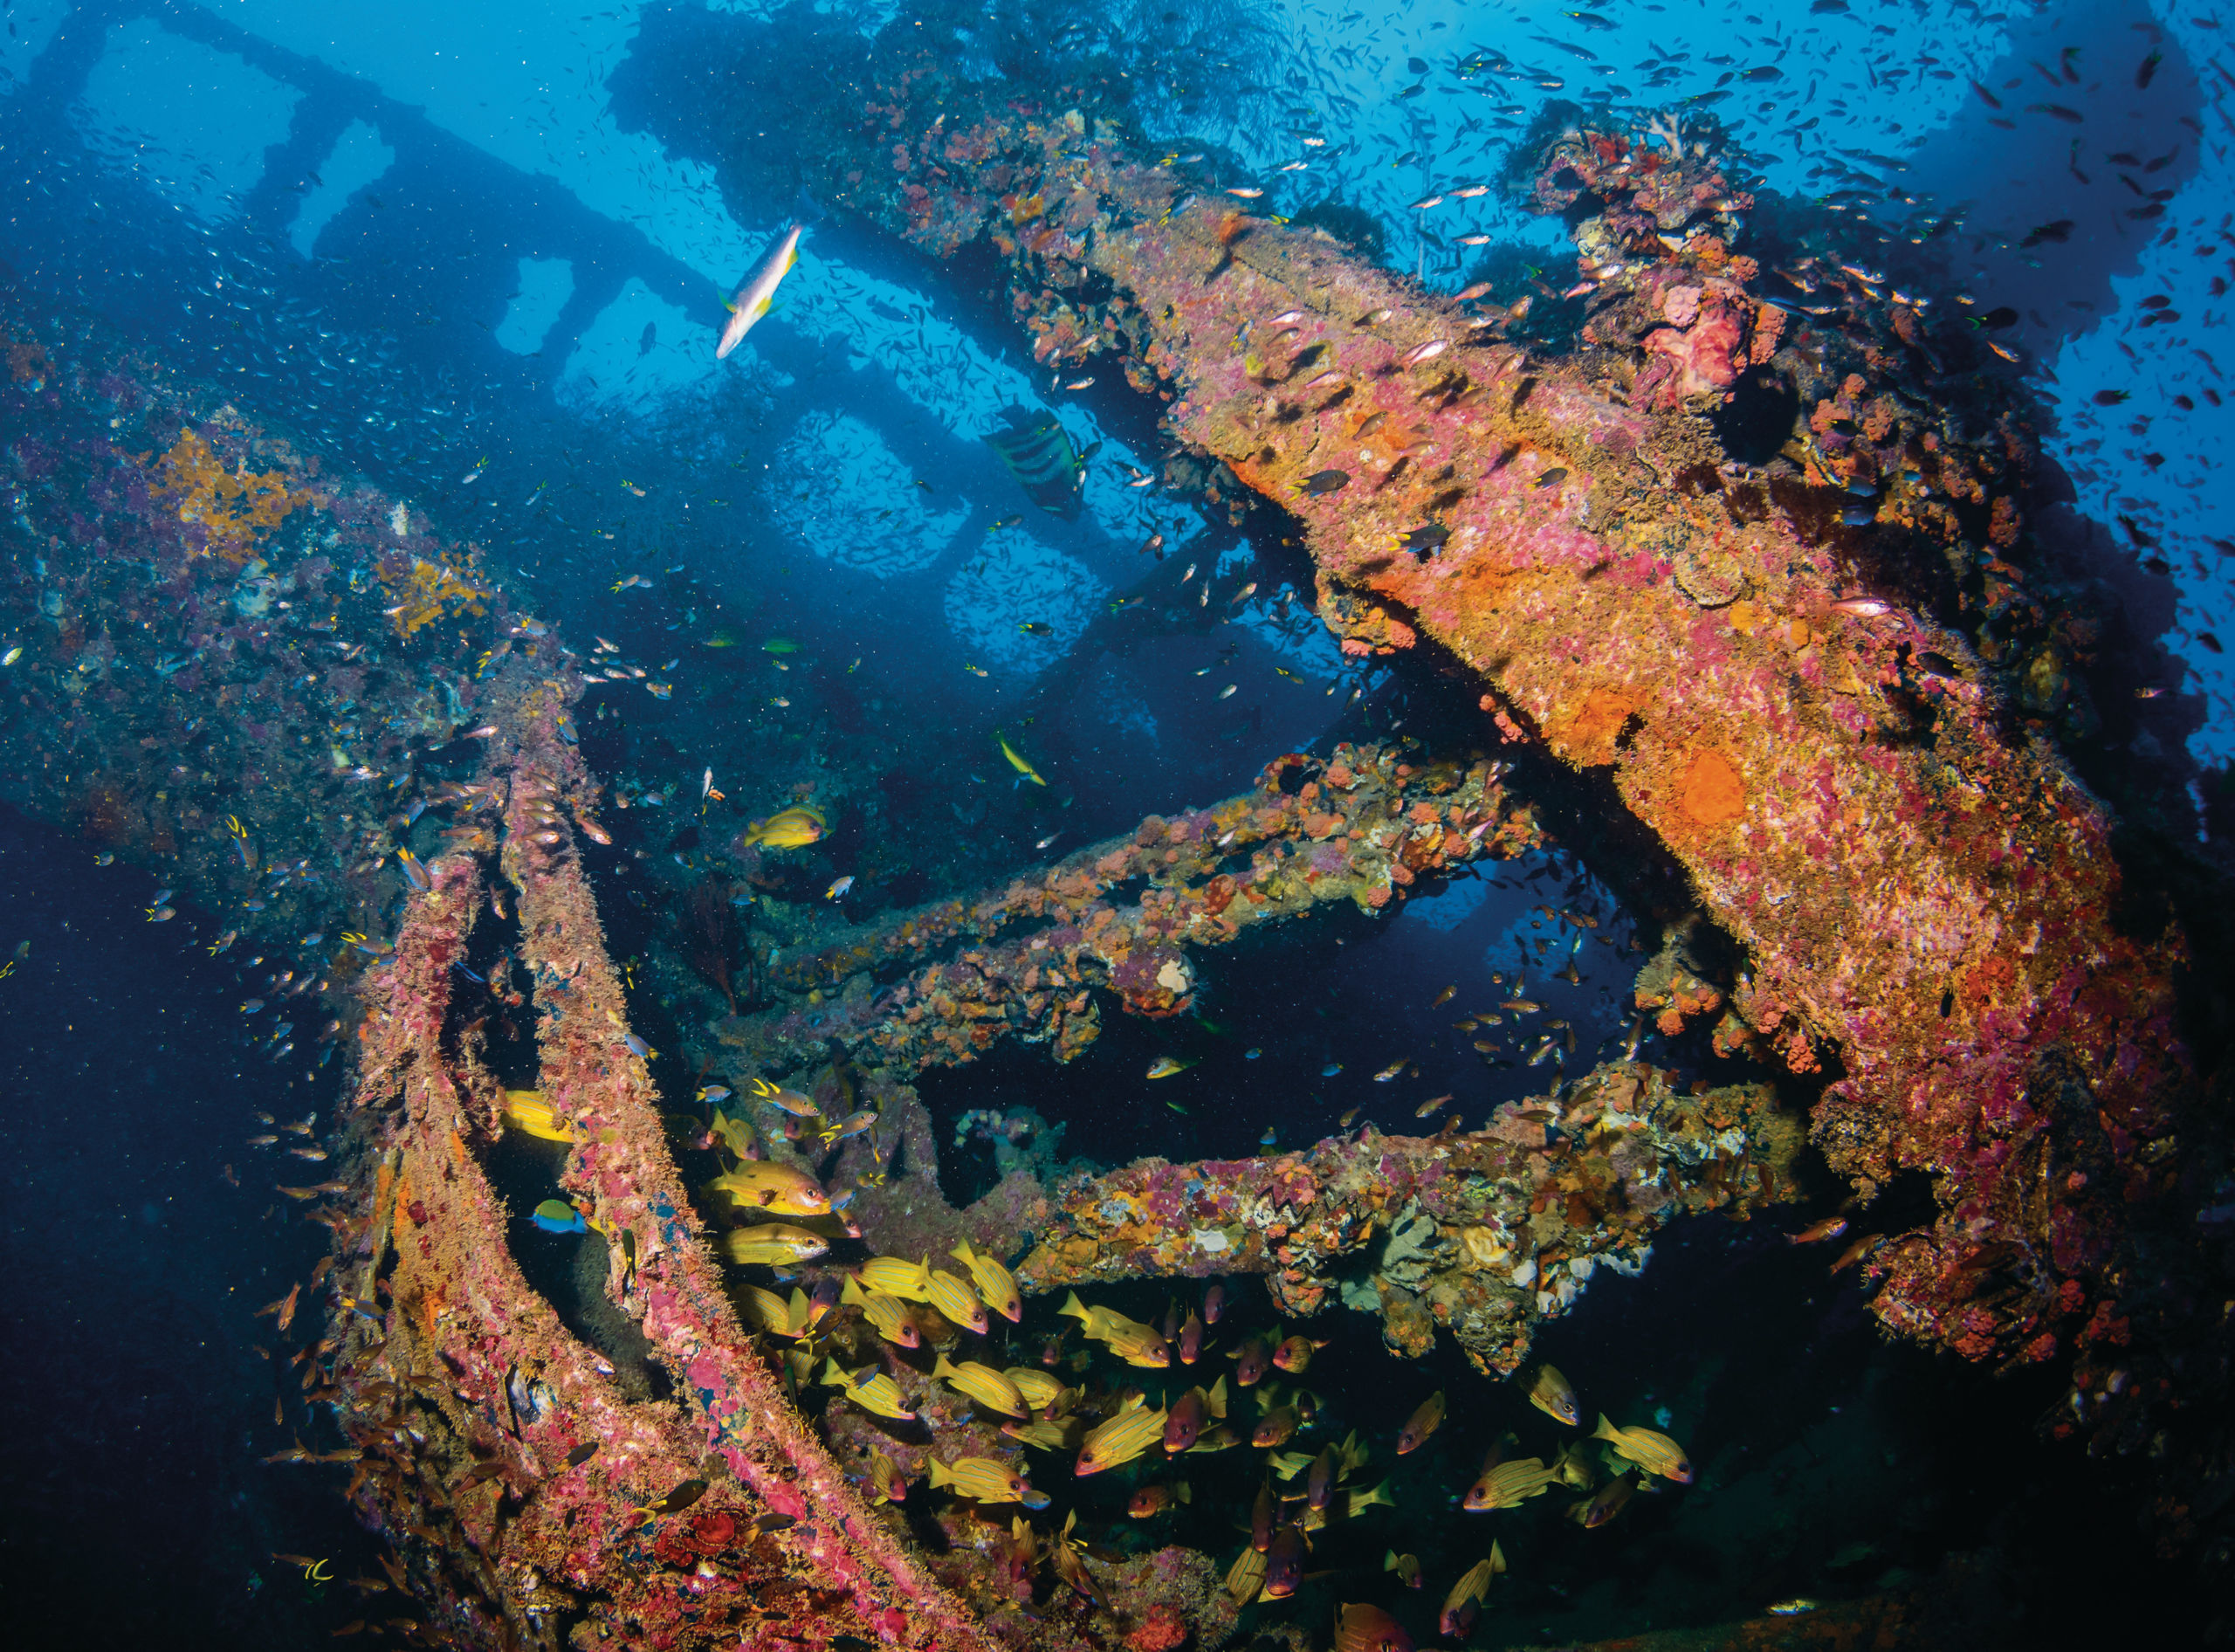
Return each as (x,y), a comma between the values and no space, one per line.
(1473,1587)
(982,1479)
(982,1383)
(1655,1453)
(1120,1440)
(1016,761)
(789,1101)
(528,1109)
(886,1480)
(896,1278)
(765,1184)
(772,1314)
(1603,1505)
(1050,1434)
(1358,1500)
(1551,1394)
(957,1301)
(733,1133)
(868,1388)
(1042,1390)
(995,1284)
(774,1243)
(1504,1485)
(1152,1500)
(1407,1566)
(1362,1628)
(888,1314)
(794,828)
(1165,1066)
(1276,1427)
(1246,1576)
(1423,1422)
(759,290)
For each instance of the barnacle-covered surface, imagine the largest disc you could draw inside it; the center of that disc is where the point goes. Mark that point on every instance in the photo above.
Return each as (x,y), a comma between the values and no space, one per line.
(1364,825)
(1480,1233)
(1926,895)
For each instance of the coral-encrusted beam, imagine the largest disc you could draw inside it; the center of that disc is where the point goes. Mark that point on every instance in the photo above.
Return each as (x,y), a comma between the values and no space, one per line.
(497,1452)
(1482,1232)
(1363,825)
(1935,914)
(594,1073)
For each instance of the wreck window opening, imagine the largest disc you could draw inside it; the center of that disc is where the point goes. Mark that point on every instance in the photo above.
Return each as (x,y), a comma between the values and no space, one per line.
(568,1271)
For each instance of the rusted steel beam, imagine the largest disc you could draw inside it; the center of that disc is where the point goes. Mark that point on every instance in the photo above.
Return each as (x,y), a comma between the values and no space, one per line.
(1927,911)
(1482,1232)
(1364,825)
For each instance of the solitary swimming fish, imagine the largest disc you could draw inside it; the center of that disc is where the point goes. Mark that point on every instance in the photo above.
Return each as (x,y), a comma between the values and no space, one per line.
(1016,761)
(787,829)
(759,290)
(556,1215)
(1165,1066)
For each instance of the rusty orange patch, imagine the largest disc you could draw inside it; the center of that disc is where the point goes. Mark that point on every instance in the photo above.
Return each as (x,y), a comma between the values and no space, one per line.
(1710,791)
(1589,734)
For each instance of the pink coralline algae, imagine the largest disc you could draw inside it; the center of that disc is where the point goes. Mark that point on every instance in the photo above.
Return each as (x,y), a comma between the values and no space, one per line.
(1480,1232)
(1684,638)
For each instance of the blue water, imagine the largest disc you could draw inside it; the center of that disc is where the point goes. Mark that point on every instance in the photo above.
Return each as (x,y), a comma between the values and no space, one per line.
(479,253)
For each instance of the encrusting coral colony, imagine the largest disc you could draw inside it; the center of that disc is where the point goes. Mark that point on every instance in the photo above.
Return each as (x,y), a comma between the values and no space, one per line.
(1924,896)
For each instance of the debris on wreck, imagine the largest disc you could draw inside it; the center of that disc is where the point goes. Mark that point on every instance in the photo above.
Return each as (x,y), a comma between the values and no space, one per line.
(1481,1233)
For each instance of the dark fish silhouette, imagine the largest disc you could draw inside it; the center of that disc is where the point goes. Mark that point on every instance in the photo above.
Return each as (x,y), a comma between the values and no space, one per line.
(1040,454)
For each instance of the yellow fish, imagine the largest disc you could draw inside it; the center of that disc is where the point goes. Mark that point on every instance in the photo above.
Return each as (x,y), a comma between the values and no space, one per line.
(1355,1503)
(789,1100)
(527,1109)
(1016,761)
(792,827)
(1504,1485)
(775,1244)
(793,1318)
(1042,1391)
(981,1478)
(868,1388)
(1131,1341)
(984,1384)
(1047,1435)
(780,1189)
(1165,1066)
(957,1301)
(1120,1440)
(896,1278)
(996,1283)
(1655,1453)
(1551,1394)
(888,1313)
(885,1479)
(733,1133)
